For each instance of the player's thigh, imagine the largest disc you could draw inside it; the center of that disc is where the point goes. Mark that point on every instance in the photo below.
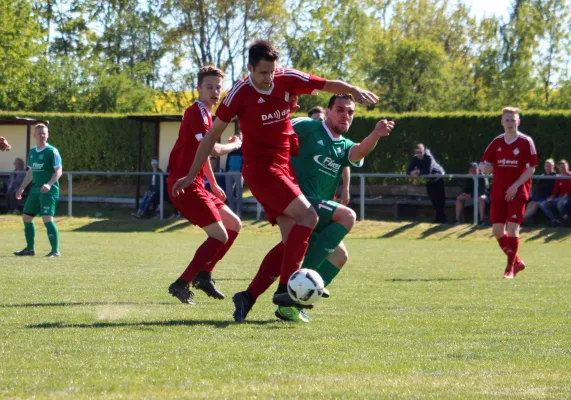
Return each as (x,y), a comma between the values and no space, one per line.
(32,205)
(301,211)
(198,207)
(325,210)
(516,211)
(217,231)
(230,220)
(499,211)
(48,204)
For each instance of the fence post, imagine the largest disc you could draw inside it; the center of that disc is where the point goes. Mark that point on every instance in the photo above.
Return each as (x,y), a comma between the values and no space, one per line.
(69,194)
(362,198)
(162,197)
(476,199)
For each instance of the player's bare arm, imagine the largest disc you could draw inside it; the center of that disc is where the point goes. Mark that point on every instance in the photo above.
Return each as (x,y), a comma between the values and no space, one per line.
(361,96)
(234,143)
(55,177)
(204,149)
(345,186)
(512,190)
(25,183)
(217,190)
(361,150)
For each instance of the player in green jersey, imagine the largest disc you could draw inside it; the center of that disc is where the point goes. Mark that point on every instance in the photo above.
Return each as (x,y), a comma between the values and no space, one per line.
(323,153)
(44,171)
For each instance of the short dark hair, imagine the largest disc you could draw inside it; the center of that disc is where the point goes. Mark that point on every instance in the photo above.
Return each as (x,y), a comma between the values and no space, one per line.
(345,96)
(209,70)
(315,110)
(262,50)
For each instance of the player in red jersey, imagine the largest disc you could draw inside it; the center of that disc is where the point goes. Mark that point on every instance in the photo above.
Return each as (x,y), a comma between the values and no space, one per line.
(196,204)
(261,103)
(512,159)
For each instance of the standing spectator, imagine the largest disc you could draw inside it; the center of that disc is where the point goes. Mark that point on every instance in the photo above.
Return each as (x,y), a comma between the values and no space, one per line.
(543,189)
(559,197)
(15,205)
(468,194)
(234,183)
(423,163)
(317,113)
(149,199)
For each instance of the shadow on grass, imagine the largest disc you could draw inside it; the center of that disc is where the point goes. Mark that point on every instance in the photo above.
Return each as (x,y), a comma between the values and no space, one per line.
(425,279)
(471,230)
(88,303)
(123,225)
(214,323)
(550,234)
(434,229)
(398,230)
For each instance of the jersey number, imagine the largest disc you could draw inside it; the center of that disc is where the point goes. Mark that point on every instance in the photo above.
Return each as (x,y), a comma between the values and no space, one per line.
(324,206)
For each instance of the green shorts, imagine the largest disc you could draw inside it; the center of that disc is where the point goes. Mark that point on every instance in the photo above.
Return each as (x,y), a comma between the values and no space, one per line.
(41,204)
(325,210)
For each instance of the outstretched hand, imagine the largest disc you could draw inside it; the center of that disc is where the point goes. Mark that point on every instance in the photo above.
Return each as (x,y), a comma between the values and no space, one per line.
(218,192)
(236,140)
(180,185)
(364,97)
(384,127)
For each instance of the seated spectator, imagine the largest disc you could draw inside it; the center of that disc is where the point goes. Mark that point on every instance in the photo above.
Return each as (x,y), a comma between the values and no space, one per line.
(149,200)
(543,189)
(559,197)
(468,194)
(317,113)
(423,163)
(15,206)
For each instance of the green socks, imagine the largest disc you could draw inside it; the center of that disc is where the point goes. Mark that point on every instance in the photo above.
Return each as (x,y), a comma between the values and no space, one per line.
(30,232)
(327,271)
(325,243)
(53,235)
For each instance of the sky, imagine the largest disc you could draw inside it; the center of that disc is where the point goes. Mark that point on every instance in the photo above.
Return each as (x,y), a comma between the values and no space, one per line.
(481,8)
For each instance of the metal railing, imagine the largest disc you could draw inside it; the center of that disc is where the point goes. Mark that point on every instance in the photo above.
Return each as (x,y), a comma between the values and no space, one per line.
(361,176)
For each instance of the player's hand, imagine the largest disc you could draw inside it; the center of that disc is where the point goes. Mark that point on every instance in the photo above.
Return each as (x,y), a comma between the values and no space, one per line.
(236,141)
(384,128)
(4,145)
(45,188)
(19,194)
(511,192)
(293,106)
(344,197)
(218,192)
(180,185)
(364,97)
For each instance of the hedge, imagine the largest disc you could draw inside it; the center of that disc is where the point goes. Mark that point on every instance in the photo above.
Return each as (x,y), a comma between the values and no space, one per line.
(108,142)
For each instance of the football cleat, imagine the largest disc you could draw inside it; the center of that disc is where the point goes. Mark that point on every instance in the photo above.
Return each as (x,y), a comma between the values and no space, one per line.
(181,292)
(518,267)
(242,306)
(25,252)
(53,254)
(285,300)
(509,272)
(325,293)
(207,286)
(291,314)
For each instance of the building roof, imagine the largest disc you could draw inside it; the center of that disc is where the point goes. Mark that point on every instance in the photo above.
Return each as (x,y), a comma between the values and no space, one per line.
(21,121)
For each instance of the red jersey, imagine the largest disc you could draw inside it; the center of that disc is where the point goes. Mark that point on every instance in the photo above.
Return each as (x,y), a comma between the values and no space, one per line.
(196,121)
(562,187)
(510,160)
(264,115)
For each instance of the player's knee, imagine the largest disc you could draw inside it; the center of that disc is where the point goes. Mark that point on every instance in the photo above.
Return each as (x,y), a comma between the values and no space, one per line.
(348,218)
(235,224)
(309,218)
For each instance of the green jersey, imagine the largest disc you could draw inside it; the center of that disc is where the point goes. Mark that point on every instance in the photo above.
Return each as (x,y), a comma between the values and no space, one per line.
(43,164)
(321,159)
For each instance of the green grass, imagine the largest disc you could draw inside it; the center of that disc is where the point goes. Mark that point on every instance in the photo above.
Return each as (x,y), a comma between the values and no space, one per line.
(408,318)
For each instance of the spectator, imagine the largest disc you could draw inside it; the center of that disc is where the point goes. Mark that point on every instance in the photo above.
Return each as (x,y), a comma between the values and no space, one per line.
(4,145)
(317,113)
(423,163)
(15,206)
(149,200)
(234,183)
(559,197)
(468,194)
(543,189)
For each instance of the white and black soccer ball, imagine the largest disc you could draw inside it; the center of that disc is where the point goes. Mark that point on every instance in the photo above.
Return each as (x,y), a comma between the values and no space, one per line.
(305,286)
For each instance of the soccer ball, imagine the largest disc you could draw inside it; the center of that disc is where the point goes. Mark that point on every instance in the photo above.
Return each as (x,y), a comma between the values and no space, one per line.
(305,286)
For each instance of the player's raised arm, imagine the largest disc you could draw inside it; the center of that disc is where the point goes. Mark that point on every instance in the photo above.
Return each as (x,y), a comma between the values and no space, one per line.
(234,143)
(361,96)
(361,150)
(204,149)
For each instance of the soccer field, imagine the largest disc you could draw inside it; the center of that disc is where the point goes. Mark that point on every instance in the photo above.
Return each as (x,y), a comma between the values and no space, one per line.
(408,318)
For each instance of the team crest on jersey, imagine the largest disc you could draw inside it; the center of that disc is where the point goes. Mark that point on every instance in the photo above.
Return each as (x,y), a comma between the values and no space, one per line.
(339,152)
(516,151)
(499,149)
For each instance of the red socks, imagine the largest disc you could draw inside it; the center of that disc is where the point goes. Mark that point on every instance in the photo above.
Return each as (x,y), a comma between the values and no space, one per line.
(268,272)
(294,250)
(232,235)
(204,256)
(510,246)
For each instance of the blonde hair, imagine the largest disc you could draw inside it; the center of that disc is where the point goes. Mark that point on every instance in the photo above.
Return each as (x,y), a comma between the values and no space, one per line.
(41,126)
(563,161)
(510,110)
(550,161)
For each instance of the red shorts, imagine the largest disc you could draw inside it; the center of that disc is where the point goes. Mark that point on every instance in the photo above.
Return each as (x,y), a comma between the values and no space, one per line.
(273,185)
(196,204)
(502,212)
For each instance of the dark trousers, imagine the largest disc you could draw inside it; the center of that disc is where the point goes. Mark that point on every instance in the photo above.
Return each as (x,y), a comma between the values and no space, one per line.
(437,195)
